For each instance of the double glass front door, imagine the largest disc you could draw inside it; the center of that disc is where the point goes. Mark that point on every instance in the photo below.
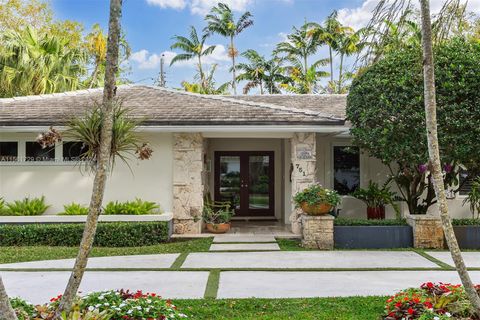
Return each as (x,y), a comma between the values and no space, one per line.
(245,179)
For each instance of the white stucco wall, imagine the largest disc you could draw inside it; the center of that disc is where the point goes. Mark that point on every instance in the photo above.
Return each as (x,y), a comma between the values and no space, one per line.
(63,183)
(370,169)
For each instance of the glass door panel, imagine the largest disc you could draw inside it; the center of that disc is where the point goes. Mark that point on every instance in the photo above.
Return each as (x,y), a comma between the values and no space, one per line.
(259,182)
(229,184)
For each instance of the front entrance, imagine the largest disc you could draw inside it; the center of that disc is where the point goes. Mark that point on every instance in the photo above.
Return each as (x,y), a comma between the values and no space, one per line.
(246,180)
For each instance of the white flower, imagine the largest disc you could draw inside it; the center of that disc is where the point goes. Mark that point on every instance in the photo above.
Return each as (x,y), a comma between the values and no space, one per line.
(139,308)
(100,297)
(122,305)
(130,311)
(149,301)
(448,314)
(147,309)
(106,304)
(91,308)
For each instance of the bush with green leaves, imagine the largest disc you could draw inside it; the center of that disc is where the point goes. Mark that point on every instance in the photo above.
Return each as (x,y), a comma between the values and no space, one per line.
(3,207)
(109,234)
(26,207)
(386,109)
(316,194)
(135,207)
(74,209)
(365,222)
(216,216)
(473,198)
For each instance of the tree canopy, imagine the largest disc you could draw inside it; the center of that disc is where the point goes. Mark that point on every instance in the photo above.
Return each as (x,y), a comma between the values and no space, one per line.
(386,109)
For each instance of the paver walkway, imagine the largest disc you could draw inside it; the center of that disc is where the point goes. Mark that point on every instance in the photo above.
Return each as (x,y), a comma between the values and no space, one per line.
(266,274)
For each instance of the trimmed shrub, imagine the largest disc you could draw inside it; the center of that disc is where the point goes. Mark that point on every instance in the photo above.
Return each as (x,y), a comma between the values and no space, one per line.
(74,209)
(136,207)
(365,222)
(466,222)
(26,207)
(109,234)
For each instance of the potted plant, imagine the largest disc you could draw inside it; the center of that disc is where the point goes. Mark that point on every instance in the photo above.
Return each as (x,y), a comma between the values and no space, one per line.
(376,198)
(473,198)
(217,220)
(316,200)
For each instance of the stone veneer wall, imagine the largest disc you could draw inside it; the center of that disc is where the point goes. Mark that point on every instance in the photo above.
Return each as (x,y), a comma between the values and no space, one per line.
(303,169)
(427,231)
(317,232)
(188,182)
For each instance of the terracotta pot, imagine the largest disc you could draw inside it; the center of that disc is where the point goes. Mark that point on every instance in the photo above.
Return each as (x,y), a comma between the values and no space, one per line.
(376,213)
(217,227)
(315,210)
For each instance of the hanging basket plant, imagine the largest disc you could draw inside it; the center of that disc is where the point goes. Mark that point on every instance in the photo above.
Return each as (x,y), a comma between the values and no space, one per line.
(316,200)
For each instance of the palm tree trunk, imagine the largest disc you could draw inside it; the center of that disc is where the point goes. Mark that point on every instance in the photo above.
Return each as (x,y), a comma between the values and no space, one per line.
(234,73)
(340,74)
(94,74)
(261,86)
(200,70)
(6,310)
(102,160)
(331,63)
(434,154)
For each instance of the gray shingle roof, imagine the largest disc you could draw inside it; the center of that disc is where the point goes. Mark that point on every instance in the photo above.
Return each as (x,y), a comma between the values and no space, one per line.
(166,107)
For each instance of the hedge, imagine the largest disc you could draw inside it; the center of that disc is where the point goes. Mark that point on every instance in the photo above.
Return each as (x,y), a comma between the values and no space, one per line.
(365,222)
(466,222)
(109,234)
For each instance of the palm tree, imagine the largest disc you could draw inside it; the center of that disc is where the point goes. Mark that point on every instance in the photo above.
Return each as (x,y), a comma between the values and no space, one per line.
(299,46)
(304,81)
(37,64)
(349,43)
(193,47)
(221,21)
(253,71)
(274,75)
(208,86)
(6,310)
(103,159)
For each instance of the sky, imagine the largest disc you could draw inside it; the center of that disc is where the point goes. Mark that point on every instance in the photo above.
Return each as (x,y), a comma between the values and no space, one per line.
(150,25)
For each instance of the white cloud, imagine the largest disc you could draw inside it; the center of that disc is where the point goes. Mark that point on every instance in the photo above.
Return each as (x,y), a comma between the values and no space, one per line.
(174,4)
(360,16)
(146,60)
(202,7)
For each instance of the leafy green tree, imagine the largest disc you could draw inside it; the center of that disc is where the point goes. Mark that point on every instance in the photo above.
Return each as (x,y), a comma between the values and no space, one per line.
(209,86)
(385,106)
(221,20)
(38,64)
(193,47)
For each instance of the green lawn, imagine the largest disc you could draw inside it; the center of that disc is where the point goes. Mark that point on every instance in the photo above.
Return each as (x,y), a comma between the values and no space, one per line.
(32,253)
(352,308)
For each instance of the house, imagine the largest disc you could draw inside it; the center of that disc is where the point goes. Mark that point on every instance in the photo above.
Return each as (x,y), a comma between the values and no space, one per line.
(255,151)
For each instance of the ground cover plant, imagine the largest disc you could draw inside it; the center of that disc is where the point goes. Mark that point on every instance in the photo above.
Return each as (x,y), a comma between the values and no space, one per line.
(74,209)
(135,207)
(25,207)
(431,301)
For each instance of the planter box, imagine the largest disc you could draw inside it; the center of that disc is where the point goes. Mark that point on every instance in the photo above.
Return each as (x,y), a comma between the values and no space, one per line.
(468,237)
(373,237)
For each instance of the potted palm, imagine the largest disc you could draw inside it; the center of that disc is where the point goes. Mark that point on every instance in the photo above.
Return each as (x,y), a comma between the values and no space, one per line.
(316,200)
(376,198)
(217,220)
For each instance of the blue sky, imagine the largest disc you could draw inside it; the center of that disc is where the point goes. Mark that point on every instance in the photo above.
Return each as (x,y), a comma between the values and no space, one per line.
(150,25)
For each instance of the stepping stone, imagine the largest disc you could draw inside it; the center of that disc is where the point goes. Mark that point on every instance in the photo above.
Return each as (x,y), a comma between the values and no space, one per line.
(300,284)
(472,259)
(308,260)
(228,238)
(244,247)
(39,286)
(116,262)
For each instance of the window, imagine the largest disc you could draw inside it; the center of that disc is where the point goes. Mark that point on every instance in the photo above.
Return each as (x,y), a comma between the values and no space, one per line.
(8,151)
(346,169)
(73,150)
(34,152)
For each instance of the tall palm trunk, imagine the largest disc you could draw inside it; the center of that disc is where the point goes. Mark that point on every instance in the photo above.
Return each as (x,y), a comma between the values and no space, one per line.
(340,73)
(94,74)
(103,159)
(200,71)
(6,310)
(261,86)
(234,72)
(331,63)
(434,154)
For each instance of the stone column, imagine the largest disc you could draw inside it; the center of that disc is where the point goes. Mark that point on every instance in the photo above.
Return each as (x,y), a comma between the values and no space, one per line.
(317,232)
(303,171)
(188,183)
(427,231)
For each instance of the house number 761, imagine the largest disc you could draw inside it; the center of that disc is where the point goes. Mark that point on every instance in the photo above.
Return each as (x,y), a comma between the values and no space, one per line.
(300,169)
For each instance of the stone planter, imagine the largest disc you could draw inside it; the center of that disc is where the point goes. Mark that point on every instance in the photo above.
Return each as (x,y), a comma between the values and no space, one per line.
(427,231)
(315,210)
(373,237)
(468,237)
(217,227)
(376,213)
(317,232)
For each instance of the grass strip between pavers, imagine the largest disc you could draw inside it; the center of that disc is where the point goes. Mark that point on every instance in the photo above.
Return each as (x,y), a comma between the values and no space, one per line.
(177,264)
(212,284)
(440,263)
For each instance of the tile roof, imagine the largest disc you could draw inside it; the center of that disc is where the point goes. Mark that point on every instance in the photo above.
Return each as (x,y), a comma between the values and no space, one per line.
(167,107)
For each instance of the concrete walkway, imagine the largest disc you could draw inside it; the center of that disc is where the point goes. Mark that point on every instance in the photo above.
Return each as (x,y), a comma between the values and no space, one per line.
(269,274)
